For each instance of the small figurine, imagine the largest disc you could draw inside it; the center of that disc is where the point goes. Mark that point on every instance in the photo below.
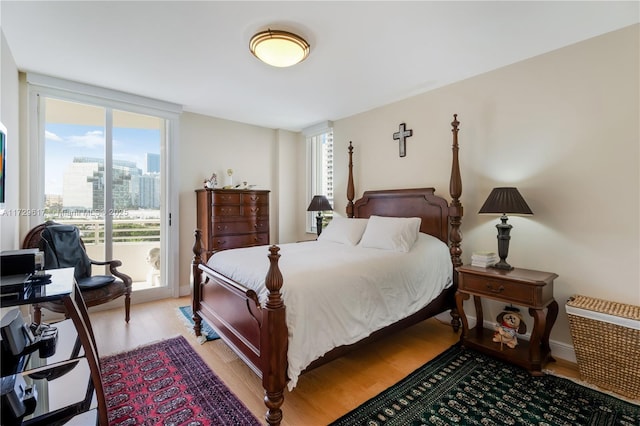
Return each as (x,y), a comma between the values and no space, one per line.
(212,182)
(510,323)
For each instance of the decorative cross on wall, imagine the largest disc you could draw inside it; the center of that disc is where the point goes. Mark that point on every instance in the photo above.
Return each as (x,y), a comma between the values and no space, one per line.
(402,136)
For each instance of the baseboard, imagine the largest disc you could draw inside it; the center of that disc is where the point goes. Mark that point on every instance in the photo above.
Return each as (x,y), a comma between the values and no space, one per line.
(184,290)
(559,349)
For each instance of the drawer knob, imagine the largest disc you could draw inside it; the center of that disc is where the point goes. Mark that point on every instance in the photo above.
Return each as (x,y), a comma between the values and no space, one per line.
(492,289)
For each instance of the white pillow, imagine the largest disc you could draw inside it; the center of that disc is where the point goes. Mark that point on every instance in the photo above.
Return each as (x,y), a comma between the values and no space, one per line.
(344,230)
(391,233)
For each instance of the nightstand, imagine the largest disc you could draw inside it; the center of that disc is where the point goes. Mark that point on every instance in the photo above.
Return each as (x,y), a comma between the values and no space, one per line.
(522,287)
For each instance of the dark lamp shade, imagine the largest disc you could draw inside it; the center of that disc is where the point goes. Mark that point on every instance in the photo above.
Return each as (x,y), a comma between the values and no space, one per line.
(319,204)
(505,200)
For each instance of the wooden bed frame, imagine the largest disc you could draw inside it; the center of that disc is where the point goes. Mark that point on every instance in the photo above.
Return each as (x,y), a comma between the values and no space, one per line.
(258,334)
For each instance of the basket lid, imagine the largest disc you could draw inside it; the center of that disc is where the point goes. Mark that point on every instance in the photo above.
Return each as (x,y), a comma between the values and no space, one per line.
(605,307)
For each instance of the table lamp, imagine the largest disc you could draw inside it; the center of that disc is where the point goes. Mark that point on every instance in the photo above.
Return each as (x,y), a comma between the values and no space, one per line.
(504,200)
(319,203)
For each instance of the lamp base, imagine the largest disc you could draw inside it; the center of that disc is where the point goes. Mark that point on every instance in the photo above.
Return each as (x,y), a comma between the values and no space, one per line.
(319,223)
(502,265)
(503,244)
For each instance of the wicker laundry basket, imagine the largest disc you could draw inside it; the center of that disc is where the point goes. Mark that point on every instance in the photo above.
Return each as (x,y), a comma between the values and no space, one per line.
(606,340)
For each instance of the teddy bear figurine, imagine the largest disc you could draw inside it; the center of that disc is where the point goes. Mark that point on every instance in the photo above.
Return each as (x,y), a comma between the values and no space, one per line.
(510,323)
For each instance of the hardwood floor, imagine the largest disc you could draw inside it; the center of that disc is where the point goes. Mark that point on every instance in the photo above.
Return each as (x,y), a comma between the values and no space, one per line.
(322,395)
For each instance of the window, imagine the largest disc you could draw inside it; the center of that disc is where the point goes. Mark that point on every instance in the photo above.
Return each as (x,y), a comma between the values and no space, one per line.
(320,169)
(105,167)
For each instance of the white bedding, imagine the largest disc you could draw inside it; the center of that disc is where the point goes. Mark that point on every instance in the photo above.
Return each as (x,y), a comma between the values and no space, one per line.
(337,294)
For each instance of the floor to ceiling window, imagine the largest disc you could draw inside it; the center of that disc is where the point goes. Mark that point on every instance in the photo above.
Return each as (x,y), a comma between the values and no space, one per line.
(105,169)
(320,170)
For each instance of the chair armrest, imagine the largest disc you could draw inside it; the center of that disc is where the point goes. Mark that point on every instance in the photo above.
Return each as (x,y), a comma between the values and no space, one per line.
(113,264)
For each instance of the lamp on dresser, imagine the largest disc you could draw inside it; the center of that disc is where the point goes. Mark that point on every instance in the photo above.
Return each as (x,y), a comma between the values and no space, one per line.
(319,203)
(502,201)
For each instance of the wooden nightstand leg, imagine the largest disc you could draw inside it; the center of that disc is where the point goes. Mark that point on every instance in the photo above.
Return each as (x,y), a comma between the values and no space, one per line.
(539,323)
(552,315)
(460,298)
(477,301)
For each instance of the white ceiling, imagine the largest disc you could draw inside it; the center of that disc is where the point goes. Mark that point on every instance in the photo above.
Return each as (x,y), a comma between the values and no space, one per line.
(363,54)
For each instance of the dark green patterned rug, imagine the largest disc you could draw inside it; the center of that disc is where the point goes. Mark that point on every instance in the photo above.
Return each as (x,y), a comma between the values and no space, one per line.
(465,387)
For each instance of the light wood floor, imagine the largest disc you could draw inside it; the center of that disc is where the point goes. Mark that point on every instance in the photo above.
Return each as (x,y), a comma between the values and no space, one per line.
(322,395)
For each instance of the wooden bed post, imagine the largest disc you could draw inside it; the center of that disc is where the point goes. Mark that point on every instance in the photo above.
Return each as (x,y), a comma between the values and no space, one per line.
(350,187)
(197,282)
(455,190)
(455,215)
(274,339)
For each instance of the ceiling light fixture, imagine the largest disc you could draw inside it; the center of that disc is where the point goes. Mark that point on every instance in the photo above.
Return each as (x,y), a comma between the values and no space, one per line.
(279,48)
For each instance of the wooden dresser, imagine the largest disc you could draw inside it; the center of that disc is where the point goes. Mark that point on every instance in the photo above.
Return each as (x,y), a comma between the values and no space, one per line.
(231,218)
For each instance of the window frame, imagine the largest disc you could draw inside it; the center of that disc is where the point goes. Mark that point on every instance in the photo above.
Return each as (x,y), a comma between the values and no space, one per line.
(315,137)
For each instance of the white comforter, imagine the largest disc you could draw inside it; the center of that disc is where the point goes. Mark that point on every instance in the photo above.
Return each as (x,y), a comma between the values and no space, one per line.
(337,294)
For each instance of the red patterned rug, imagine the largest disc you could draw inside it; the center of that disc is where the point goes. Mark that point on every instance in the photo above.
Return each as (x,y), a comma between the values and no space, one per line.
(167,383)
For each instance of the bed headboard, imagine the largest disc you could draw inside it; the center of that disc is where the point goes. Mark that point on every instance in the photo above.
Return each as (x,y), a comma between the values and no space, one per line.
(419,202)
(439,217)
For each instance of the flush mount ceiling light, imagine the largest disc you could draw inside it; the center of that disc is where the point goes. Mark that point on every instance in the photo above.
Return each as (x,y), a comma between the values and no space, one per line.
(279,48)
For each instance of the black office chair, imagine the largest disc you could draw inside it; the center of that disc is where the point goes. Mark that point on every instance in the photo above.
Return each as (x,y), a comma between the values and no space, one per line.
(63,248)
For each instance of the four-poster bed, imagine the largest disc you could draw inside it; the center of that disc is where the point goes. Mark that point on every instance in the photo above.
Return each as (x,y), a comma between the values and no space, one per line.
(253,321)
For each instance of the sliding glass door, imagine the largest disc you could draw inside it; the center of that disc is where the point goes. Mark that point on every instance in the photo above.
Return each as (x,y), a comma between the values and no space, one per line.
(104,172)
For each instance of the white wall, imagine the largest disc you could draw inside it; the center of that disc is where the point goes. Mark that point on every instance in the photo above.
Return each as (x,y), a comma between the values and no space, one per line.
(563,128)
(290,215)
(9,100)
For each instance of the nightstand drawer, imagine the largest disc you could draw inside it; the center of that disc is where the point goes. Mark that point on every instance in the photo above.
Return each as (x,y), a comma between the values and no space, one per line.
(496,288)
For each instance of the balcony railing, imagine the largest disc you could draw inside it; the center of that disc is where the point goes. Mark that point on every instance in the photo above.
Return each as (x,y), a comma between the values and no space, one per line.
(124,230)
(132,241)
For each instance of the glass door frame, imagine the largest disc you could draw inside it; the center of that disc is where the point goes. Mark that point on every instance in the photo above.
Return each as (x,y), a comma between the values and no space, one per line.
(33,184)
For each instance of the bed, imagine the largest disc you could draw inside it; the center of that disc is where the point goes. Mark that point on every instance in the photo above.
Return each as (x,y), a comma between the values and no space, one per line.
(246,305)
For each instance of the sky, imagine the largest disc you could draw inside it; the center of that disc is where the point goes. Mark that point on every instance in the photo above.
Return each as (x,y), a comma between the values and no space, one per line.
(63,142)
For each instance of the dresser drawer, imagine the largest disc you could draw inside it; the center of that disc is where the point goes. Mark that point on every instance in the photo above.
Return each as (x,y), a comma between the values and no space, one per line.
(222,211)
(497,288)
(255,199)
(234,212)
(233,241)
(255,210)
(218,198)
(240,227)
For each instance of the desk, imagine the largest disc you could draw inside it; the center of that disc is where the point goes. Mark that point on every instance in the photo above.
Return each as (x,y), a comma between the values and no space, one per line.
(71,393)
(61,285)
